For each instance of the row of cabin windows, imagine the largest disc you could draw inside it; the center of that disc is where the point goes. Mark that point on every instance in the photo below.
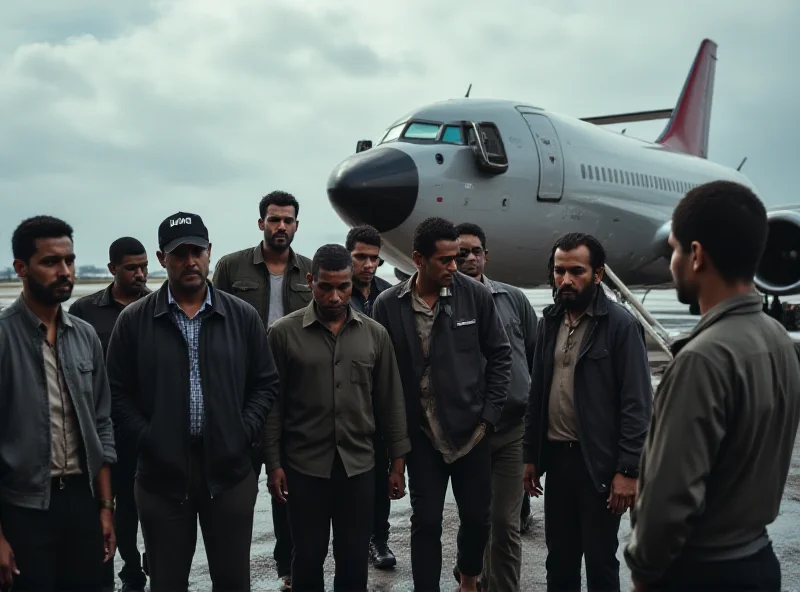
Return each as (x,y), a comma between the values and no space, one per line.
(609,175)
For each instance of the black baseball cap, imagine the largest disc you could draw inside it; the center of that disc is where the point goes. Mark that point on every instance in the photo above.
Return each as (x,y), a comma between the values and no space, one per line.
(182,229)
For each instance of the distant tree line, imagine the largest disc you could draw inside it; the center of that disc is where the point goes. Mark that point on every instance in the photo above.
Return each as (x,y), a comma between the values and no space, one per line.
(82,272)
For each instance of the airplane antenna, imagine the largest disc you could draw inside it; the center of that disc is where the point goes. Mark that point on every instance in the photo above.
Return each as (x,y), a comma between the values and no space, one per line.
(741,164)
(466,96)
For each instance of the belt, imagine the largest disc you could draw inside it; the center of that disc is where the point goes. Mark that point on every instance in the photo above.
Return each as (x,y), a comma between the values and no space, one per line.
(563,444)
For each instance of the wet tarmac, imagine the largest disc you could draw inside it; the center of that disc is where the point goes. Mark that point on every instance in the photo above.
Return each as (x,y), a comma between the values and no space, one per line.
(785,531)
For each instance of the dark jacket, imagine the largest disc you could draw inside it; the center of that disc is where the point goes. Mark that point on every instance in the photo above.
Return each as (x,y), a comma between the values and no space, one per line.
(245,275)
(613,393)
(148,369)
(359,303)
(25,440)
(467,327)
(720,446)
(100,310)
(519,320)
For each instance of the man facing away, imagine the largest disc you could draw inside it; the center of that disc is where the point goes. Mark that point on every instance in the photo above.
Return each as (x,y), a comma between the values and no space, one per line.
(720,444)
(503,556)
(128,264)
(339,383)
(455,363)
(589,408)
(192,378)
(364,245)
(271,277)
(56,436)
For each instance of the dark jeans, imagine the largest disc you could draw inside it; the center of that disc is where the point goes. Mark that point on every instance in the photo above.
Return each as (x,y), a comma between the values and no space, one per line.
(380,520)
(577,524)
(760,572)
(126,522)
(282,553)
(471,477)
(314,504)
(169,528)
(61,548)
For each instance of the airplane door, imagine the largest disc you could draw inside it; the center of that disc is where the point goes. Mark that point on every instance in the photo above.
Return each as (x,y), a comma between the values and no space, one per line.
(551,164)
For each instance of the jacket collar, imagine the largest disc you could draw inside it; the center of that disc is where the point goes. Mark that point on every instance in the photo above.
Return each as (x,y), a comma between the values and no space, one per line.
(444,292)
(107,295)
(21,307)
(162,296)
(741,304)
(311,316)
(493,286)
(258,258)
(598,307)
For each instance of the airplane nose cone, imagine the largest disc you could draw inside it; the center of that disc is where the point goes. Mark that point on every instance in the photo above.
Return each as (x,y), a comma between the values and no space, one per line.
(378,187)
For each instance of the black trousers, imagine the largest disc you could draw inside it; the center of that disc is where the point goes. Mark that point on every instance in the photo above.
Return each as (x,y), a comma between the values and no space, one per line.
(169,528)
(314,504)
(282,553)
(577,524)
(471,477)
(380,520)
(59,549)
(126,521)
(760,572)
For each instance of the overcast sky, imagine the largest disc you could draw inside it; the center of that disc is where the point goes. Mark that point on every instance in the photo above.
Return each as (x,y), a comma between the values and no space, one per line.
(114,115)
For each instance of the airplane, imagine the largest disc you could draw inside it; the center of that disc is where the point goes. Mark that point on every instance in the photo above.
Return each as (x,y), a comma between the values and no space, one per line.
(527,175)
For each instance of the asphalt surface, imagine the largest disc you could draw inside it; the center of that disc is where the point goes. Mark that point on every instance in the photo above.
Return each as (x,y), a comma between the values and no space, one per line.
(785,532)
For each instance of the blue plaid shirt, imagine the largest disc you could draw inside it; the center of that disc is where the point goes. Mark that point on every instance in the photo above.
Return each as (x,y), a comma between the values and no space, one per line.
(191,333)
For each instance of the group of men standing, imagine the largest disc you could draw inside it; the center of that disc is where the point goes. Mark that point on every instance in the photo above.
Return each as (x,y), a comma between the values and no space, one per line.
(161,407)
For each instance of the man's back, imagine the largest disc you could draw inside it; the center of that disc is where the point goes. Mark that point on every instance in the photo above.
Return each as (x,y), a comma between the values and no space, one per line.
(747,399)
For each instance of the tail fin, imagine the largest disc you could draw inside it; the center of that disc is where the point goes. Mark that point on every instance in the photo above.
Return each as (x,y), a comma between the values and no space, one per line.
(687,129)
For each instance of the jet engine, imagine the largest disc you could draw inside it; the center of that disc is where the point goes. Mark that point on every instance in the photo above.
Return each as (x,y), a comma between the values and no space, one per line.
(778,273)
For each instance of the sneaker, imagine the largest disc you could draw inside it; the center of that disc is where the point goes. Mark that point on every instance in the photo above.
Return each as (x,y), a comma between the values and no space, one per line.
(380,555)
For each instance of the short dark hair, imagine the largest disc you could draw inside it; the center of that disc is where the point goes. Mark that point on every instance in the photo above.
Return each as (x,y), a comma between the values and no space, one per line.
(331,257)
(473,229)
(570,242)
(120,248)
(23,241)
(278,198)
(429,232)
(730,222)
(366,234)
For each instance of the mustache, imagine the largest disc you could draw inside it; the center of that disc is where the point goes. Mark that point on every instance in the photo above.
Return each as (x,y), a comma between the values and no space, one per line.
(62,283)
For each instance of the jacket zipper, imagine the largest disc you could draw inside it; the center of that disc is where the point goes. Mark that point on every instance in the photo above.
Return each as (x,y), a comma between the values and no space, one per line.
(200,358)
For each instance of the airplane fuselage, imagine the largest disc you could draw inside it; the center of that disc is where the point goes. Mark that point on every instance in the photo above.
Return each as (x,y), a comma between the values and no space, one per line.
(618,188)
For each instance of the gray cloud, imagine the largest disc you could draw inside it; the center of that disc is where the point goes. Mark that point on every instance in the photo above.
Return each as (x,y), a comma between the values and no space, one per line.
(116,115)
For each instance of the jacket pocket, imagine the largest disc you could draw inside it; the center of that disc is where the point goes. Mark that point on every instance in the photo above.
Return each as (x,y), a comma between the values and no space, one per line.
(240,286)
(361,373)
(301,291)
(85,377)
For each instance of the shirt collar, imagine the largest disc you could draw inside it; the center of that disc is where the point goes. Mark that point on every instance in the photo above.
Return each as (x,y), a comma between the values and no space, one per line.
(207,303)
(311,315)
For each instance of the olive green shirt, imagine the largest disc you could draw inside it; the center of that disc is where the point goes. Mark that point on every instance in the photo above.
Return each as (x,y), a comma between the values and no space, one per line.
(336,392)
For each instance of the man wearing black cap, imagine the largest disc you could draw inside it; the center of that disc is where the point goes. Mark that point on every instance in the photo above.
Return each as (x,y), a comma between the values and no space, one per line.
(192,380)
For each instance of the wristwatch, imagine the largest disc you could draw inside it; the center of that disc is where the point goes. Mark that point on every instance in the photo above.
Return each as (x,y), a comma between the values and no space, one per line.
(107,504)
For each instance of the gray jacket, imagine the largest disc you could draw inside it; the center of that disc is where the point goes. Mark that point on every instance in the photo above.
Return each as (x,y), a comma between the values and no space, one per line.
(25,446)
(519,320)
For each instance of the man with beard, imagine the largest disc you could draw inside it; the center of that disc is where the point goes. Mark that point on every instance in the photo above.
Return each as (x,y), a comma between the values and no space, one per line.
(503,556)
(192,379)
(339,383)
(364,244)
(455,362)
(128,264)
(271,277)
(720,444)
(588,411)
(56,436)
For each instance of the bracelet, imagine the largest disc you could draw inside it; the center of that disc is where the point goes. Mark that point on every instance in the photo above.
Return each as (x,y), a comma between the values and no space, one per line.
(107,504)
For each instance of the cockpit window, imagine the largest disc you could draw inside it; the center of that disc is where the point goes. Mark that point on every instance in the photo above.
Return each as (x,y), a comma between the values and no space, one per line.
(393,133)
(422,131)
(453,135)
